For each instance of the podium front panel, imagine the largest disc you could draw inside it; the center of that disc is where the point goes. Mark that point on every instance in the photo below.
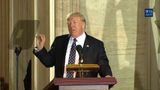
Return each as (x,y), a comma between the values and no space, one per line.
(84,87)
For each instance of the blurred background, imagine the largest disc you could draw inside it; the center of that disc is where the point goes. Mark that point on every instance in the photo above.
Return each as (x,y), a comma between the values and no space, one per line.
(132,41)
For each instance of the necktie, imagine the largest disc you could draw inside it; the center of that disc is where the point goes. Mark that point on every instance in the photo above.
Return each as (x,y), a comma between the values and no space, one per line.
(72,57)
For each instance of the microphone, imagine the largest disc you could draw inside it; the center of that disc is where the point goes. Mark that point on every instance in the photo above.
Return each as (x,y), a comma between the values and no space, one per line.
(80,52)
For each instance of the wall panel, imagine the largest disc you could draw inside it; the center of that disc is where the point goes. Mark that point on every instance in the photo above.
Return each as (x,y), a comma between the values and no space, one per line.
(4,39)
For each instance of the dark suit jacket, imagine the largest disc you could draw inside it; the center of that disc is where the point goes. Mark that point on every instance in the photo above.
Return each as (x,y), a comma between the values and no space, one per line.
(93,53)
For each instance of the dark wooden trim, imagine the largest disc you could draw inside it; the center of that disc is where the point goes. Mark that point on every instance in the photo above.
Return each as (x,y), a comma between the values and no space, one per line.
(84,81)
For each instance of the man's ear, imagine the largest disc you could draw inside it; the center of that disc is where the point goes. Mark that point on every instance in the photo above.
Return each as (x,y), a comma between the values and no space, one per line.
(84,25)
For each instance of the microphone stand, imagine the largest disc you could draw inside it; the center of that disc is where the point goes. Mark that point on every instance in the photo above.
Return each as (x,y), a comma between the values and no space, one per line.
(17,52)
(81,73)
(80,52)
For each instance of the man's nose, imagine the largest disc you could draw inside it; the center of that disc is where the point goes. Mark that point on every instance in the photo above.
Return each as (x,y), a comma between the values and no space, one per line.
(72,24)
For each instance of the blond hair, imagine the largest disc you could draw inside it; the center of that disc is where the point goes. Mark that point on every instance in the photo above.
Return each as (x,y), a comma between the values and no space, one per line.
(76,14)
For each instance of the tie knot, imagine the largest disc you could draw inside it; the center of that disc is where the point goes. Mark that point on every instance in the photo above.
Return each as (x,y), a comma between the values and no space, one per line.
(74,40)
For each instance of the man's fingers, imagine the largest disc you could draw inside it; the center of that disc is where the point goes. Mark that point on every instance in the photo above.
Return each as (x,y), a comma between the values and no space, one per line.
(40,40)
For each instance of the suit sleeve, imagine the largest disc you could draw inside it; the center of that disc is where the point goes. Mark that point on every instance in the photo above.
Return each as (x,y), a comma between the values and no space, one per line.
(103,62)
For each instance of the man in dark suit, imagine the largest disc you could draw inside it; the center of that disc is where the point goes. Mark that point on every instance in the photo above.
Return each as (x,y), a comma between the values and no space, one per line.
(59,54)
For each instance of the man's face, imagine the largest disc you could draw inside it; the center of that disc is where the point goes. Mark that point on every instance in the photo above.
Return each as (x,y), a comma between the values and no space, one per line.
(75,26)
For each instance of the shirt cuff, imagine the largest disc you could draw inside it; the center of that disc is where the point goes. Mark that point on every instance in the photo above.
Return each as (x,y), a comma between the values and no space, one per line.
(36,50)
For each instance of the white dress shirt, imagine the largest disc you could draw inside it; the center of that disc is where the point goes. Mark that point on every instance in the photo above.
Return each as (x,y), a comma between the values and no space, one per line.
(80,41)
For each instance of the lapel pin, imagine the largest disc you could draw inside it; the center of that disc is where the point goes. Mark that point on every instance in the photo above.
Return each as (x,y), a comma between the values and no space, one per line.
(87,45)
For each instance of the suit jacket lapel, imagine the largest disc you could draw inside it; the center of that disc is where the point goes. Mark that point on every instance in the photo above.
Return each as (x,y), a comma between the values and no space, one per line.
(86,47)
(66,40)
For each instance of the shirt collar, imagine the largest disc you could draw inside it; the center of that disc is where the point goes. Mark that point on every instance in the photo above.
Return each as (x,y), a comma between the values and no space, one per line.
(80,39)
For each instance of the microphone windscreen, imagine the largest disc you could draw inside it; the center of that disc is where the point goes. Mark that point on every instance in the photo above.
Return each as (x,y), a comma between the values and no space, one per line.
(79,49)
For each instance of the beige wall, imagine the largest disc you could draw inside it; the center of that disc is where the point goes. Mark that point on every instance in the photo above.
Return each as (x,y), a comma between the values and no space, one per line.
(40,73)
(155,45)
(4,37)
(143,53)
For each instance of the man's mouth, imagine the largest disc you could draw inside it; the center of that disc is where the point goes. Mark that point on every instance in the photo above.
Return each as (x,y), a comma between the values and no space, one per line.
(73,29)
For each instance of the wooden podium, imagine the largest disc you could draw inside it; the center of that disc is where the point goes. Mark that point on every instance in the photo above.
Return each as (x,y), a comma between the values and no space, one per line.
(83,83)
(82,68)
